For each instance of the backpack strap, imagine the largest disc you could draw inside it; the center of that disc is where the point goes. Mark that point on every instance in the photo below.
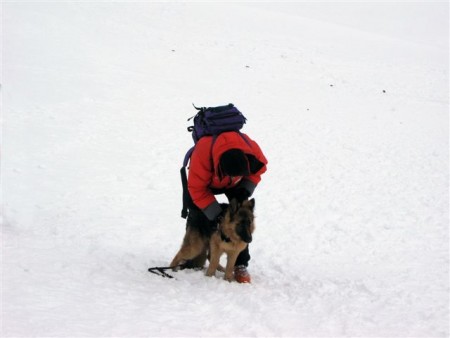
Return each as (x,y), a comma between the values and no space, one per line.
(187,157)
(186,197)
(245,139)
(187,200)
(199,109)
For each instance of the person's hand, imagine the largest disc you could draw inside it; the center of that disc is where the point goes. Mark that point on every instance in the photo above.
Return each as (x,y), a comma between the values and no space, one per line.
(214,224)
(242,194)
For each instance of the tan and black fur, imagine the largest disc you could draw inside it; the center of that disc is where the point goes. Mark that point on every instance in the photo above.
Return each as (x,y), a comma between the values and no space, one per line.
(232,236)
(234,233)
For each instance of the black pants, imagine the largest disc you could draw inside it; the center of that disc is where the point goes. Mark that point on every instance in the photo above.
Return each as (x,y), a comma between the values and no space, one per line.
(197,219)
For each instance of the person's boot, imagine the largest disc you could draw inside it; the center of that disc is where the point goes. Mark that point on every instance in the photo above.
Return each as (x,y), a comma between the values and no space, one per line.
(241,274)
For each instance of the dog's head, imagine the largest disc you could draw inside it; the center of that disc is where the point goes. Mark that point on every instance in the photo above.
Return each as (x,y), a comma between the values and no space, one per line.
(240,218)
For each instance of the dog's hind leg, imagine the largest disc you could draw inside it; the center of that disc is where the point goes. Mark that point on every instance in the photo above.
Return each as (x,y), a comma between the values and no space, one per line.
(193,247)
(200,259)
(186,254)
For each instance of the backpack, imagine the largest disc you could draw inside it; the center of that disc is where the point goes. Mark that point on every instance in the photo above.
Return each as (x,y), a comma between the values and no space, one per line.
(211,121)
(216,120)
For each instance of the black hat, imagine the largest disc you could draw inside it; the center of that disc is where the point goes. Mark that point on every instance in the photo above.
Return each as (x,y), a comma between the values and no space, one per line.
(233,162)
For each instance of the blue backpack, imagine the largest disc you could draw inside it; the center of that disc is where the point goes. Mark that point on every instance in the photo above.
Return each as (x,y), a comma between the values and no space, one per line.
(216,120)
(210,121)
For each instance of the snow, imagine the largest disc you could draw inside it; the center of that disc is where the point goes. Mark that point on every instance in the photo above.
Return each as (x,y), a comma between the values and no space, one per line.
(349,102)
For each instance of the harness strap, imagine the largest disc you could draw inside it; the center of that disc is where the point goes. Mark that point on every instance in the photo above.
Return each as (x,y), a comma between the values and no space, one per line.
(160,271)
(224,238)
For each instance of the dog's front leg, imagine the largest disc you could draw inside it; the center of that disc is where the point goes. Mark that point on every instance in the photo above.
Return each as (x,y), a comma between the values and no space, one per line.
(214,259)
(231,260)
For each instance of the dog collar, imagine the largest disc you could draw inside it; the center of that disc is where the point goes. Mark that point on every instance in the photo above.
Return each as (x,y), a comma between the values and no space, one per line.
(224,238)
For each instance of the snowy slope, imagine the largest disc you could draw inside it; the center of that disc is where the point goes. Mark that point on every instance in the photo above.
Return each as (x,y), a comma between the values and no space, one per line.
(350,105)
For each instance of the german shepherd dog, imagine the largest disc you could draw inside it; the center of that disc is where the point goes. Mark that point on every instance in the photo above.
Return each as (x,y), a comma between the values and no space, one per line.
(233,234)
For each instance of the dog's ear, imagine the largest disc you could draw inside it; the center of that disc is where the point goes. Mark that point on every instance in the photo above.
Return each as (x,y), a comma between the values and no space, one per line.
(250,204)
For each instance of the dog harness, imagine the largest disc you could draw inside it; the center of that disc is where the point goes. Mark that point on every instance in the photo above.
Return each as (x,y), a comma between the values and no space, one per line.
(224,238)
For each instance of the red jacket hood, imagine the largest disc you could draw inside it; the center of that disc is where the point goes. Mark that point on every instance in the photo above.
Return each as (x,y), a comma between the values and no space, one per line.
(227,141)
(202,177)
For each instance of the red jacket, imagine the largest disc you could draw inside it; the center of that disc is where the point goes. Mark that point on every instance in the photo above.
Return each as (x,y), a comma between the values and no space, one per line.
(204,173)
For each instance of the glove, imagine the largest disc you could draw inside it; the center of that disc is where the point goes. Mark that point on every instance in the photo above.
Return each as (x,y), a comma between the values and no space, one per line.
(220,216)
(241,194)
(214,224)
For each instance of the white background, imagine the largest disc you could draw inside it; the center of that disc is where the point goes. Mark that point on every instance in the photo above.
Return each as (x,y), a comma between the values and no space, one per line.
(348,101)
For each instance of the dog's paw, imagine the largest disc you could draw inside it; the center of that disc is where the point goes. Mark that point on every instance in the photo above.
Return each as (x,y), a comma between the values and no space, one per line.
(229,277)
(177,265)
(209,273)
